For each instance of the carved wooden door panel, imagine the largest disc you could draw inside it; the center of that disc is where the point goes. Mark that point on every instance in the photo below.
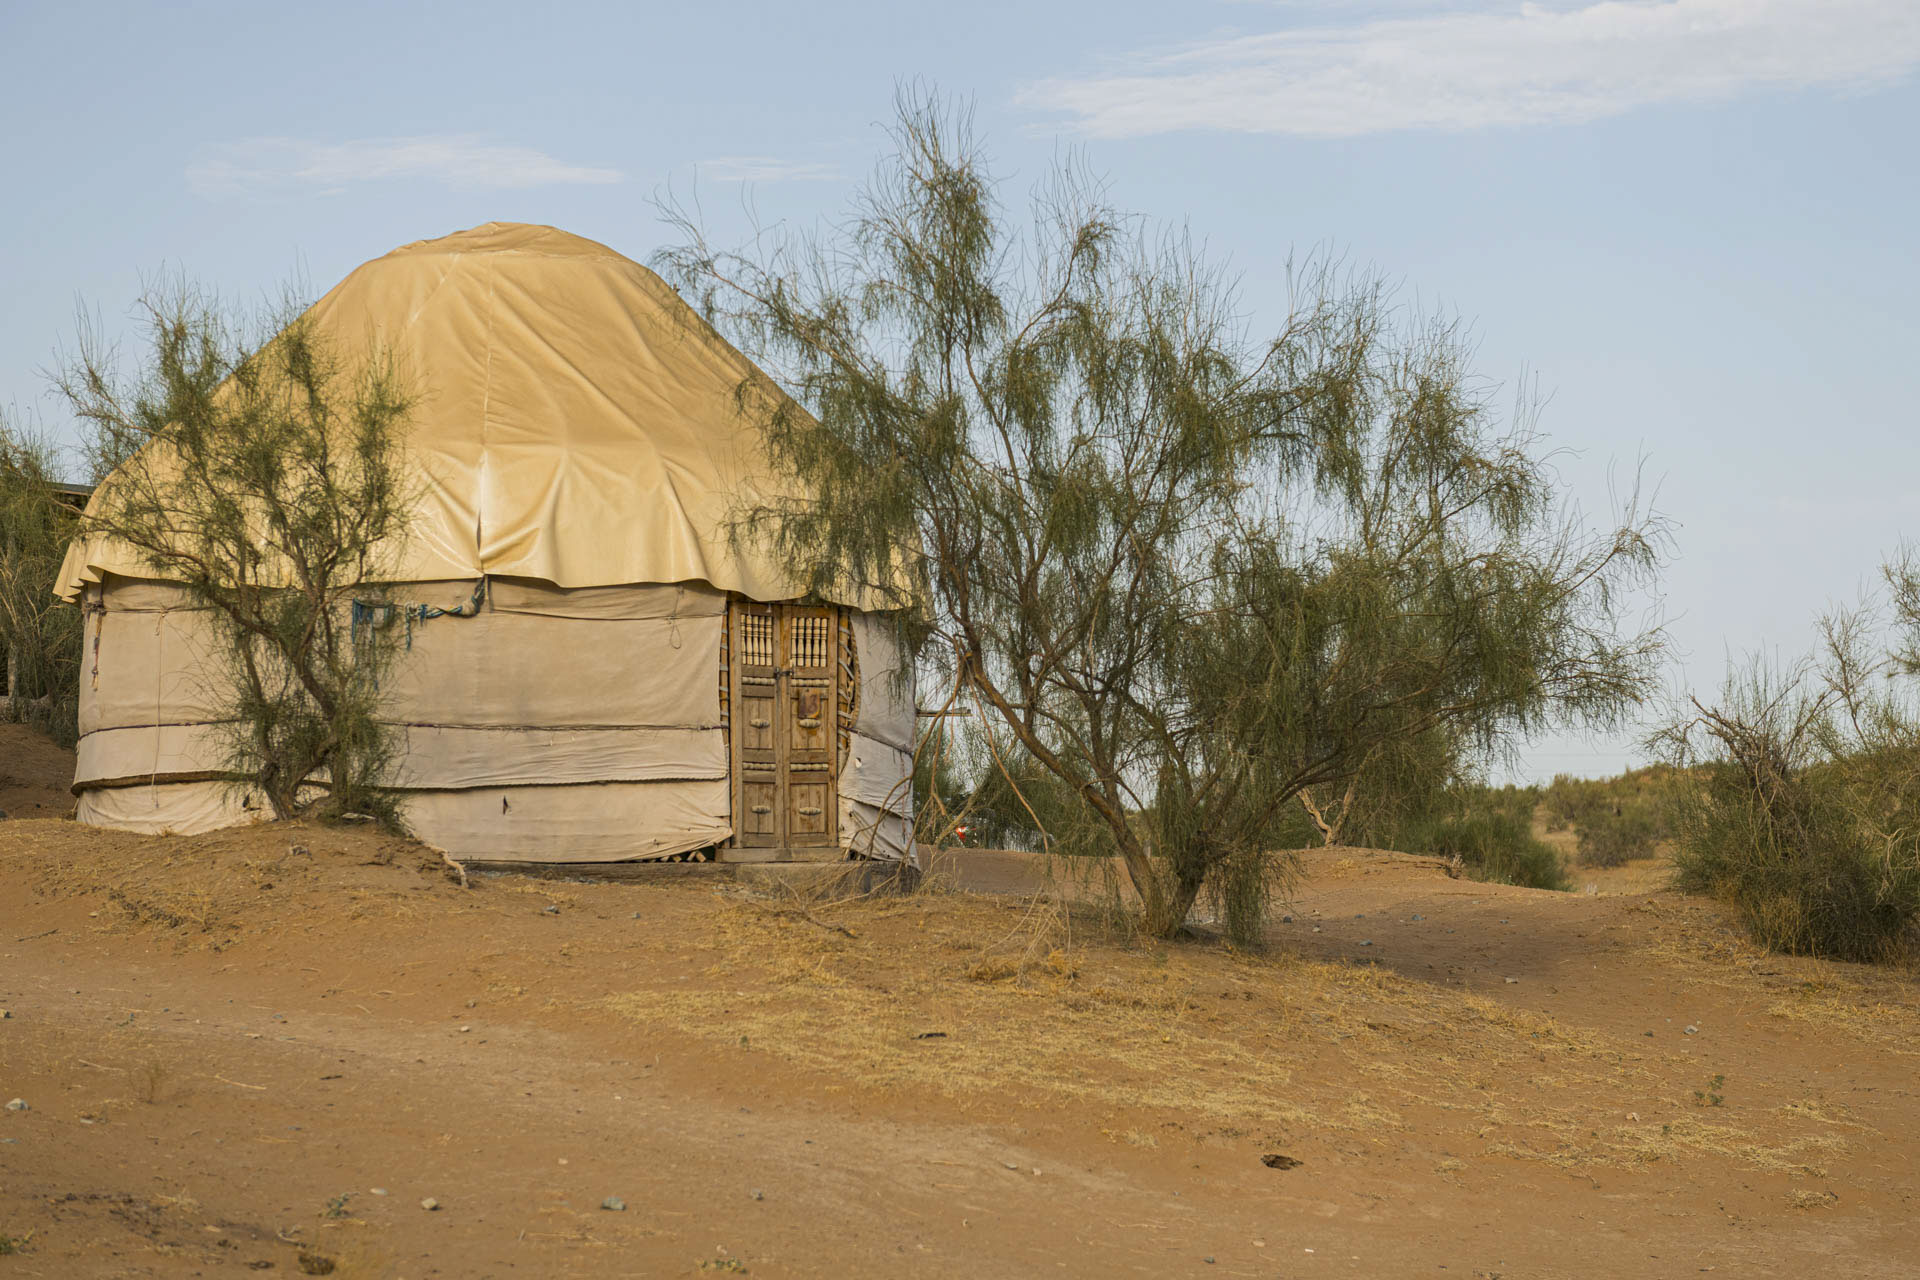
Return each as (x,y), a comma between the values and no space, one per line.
(811,635)
(785,663)
(756,746)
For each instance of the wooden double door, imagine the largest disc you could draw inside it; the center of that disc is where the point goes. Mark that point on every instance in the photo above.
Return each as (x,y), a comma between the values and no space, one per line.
(785,670)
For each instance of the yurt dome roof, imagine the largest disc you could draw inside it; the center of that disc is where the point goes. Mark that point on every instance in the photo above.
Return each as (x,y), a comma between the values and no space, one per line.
(578,422)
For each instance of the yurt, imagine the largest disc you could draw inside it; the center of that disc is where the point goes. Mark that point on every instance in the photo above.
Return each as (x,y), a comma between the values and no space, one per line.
(598,672)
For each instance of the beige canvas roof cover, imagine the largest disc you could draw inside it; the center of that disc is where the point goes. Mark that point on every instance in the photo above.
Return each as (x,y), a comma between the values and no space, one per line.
(578,422)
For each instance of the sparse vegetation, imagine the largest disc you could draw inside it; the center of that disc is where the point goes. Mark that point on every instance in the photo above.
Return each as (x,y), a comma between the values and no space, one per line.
(39,633)
(1615,820)
(1490,830)
(259,467)
(1803,805)
(1146,1056)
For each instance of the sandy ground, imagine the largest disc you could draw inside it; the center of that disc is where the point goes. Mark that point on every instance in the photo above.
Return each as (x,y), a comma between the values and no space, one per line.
(34,775)
(262,1051)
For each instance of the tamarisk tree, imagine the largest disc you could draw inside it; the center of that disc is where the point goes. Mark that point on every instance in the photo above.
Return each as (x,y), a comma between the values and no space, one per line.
(259,466)
(1188,574)
(40,632)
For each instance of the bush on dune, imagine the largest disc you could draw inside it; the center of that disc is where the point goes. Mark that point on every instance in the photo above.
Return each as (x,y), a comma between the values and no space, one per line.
(1491,832)
(1819,853)
(1614,819)
(1803,807)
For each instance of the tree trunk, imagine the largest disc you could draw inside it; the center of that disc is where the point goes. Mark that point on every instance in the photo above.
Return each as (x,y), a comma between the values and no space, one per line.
(1146,882)
(1166,911)
(1329,832)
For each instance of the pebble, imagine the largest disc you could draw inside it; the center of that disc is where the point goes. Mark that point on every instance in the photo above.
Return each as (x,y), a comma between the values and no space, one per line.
(376,1191)
(19,1104)
(1367,942)
(552,910)
(1286,919)
(8,1013)
(614,1204)
(466,1028)
(1418,918)
(1692,1030)
(1010,1164)
(430,1204)
(758,1194)
(1513,979)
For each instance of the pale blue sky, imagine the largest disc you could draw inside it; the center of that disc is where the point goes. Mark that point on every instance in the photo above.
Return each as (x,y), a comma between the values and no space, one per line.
(1694,220)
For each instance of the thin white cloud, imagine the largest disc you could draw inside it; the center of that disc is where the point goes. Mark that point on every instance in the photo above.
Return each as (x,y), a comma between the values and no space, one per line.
(764,169)
(265,164)
(1505,64)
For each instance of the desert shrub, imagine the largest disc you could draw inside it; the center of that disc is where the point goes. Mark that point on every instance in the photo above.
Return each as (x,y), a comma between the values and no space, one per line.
(1802,804)
(1491,846)
(1615,819)
(1491,831)
(1617,835)
(1817,846)
(1805,874)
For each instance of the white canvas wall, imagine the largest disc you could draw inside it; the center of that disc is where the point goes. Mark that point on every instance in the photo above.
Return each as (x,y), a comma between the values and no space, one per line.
(553,725)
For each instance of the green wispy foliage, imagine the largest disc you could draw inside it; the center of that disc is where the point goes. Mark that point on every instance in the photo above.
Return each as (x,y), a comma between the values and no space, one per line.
(1188,572)
(259,465)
